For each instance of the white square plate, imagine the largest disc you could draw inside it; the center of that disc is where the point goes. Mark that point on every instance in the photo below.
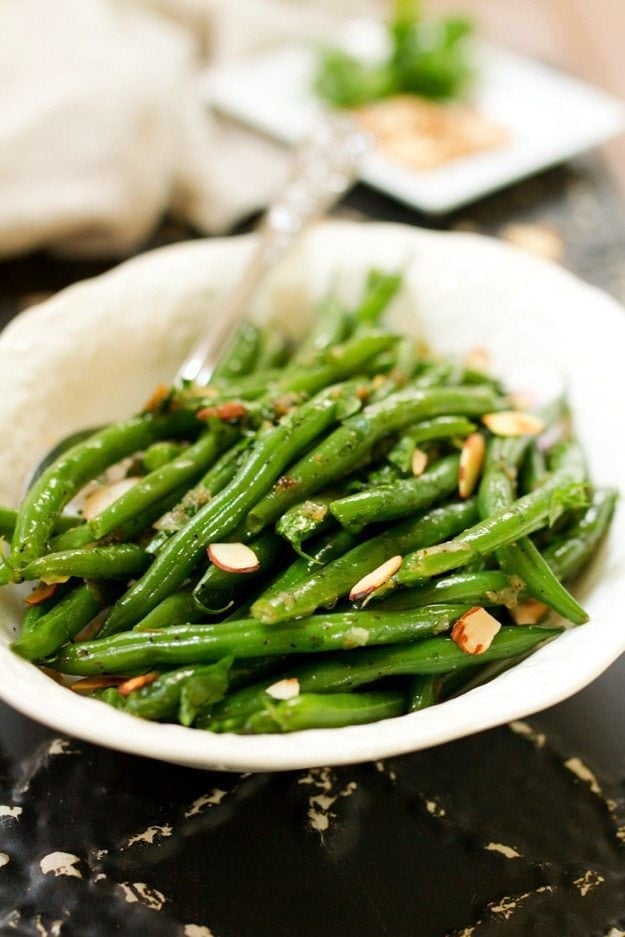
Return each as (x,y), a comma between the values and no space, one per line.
(549,117)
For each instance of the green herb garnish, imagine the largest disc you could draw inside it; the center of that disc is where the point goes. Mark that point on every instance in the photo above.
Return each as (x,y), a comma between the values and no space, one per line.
(427,57)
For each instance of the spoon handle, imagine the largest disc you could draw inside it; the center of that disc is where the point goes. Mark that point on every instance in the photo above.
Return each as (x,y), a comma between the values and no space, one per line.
(326,163)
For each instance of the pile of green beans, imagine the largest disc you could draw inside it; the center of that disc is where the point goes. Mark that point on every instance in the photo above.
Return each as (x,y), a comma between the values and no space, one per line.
(323,462)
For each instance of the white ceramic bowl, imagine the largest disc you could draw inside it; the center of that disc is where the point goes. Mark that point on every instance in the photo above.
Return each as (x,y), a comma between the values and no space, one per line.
(95,351)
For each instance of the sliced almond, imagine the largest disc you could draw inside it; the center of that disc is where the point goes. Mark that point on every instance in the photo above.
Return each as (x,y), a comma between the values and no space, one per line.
(89,684)
(284,689)
(231,410)
(157,398)
(375,578)
(471,462)
(418,462)
(478,359)
(513,423)
(44,591)
(104,495)
(529,612)
(135,683)
(521,399)
(233,557)
(475,630)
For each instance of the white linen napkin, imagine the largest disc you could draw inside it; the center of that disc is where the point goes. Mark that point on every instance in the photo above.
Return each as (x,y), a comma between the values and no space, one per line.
(102,128)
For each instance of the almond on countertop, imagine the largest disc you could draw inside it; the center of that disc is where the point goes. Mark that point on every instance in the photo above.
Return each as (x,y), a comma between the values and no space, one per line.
(474,631)
(471,462)
(513,423)
(376,578)
(233,557)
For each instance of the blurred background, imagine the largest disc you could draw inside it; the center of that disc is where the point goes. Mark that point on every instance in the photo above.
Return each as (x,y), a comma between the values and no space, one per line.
(106,127)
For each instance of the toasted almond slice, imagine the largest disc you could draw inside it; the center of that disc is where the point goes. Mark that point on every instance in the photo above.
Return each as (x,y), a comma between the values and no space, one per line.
(135,683)
(529,612)
(157,398)
(375,578)
(284,689)
(475,630)
(231,410)
(513,423)
(471,462)
(478,359)
(89,684)
(233,557)
(419,462)
(104,495)
(53,580)
(44,591)
(521,399)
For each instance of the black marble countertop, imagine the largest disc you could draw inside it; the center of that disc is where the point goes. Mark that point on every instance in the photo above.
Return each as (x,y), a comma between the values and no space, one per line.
(514,832)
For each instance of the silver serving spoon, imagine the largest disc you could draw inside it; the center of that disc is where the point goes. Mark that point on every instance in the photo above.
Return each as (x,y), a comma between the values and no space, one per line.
(325,165)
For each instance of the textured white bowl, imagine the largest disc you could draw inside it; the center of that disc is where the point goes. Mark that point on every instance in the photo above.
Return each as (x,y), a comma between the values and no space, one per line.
(95,351)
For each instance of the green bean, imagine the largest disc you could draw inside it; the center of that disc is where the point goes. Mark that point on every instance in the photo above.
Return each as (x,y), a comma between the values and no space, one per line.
(362,667)
(177,609)
(330,325)
(578,544)
(180,693)
(533,468)
(67,475)
(225,511)
(160,453)
(188,644)
(35,612)
(184,469)
(540,581)
(351,443)
(81,536)
(6,573)
(61,623)
(523,558)
(328,548)
(241,355)
(337,364)
(191,500)
(524,516)
(217,587)
(381,288)
(304,520)
(328,711)
(443,427)
(335,579)
(7,522)
(324,550)
(390,502)
(273,350)
(484,587)
(424,692)
(8,518)
(119,561)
